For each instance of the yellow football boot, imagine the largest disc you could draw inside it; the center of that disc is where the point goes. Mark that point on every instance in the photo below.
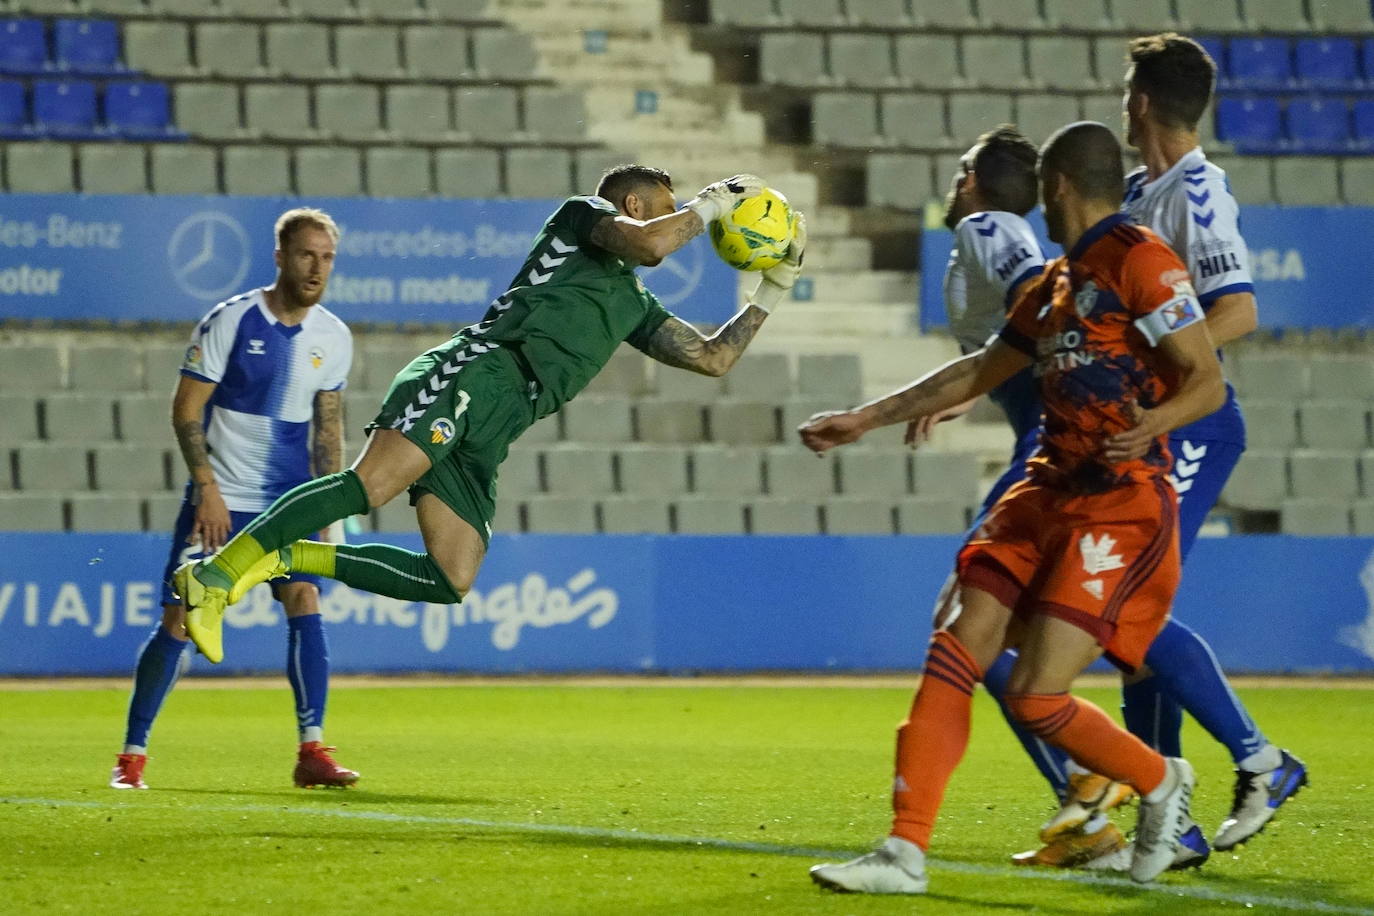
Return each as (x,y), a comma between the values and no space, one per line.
(1076,848)
(1088,794)
(273,565)
(204,611)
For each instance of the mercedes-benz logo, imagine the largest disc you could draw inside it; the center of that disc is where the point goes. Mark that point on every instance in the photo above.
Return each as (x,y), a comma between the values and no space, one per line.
(209,255)
(679,274)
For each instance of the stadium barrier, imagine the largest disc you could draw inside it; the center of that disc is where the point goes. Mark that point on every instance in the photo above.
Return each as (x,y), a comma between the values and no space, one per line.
(426,261)
(81,604)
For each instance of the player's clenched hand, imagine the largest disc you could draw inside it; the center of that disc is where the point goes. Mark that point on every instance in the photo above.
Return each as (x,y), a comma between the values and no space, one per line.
(920,429)
(826,430)
(716,199)
(1135,441)
(211,526)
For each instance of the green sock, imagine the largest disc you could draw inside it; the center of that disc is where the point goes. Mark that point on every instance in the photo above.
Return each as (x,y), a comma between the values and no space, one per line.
(312,506)
(377,568)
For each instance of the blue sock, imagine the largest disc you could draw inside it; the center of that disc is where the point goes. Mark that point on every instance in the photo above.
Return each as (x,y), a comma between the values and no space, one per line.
(307,667)
(1048,759)
(159,665)
(1153,716)
(1187,670)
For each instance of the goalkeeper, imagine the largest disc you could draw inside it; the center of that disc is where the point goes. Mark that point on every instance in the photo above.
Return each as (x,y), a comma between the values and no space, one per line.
(449,418)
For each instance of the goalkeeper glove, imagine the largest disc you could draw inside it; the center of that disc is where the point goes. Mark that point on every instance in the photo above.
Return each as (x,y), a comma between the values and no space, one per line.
(715,200)
(782,276)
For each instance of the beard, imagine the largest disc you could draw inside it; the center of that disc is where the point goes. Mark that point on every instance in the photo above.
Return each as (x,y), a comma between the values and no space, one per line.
(953,209)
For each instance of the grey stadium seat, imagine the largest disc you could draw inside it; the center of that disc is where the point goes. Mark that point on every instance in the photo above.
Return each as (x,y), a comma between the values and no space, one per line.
(74,417)
(734,422)
(590,164)
(930,515)
(348,112)
(468,173)
(207,110)
(744,12)
(593,418)
(1366,465)
(1062,62)
(1010,14)
(299,49)
(107,369)
(861,59)
(652,469)
(1270,423)
(994,61)
(1144,16)
(30,512)
(682,385)
(191,8)
(914,119)
(504,55)
(949,474)
(659,420)
(106,512)
(1078,14)
(107,168)
(49,466)
(162,509)
(708,515)
(1105,108)
(791,59)
(536,172)
(783,516)
(42,168)
(368,51)
(329,171)
(260,170)
(888,14)
(1251,177)
(160,49)
(145,417)
(460,10)
(972,114)
(560,515)
(1038,116)
(114,7)
(1357,181)
(858,516)
(1341,376)
(487,112)
(876,473)
(1362,514)
(724,471)
(396,10)
(398,172)
(394,517)
(1209,15)
(624,375)
(18,423)
(1314,517)
(570,469)
(760,377)
(814,13)
(509,516)
(1324,474)
(438,52)
(837,376)
(1306,181)
(419,112)
(1280,376)
(1336,16)
(926,60)
(845,119)
(793,472)
(798,410)
(554,114)
(634,515)
(1333,424)
(324,9)
(1260,481)
(184,170)
(899,180)
(259,9)
(278,111)
(229,49)
(140,468)
(1278,15)
(521,474)
(954,14)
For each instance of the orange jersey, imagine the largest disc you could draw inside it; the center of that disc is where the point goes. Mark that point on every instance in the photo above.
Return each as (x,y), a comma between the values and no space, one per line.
(1091,321)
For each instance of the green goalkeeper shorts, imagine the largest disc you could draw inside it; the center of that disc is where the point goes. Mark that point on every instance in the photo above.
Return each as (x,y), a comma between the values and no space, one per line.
(463,403)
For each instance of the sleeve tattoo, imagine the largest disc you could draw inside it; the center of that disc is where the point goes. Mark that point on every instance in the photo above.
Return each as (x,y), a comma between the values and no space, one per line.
(327,444)
(191,438)
(677,343)
(611,235)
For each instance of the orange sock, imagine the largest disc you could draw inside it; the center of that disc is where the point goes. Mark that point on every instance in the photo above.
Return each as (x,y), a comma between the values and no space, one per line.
(932,740)
(1090,737)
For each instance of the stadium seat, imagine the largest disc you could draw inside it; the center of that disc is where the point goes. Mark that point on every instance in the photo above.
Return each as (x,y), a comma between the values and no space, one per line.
(487,112)
(554,114)
(1144,16)
(861,60)
(1216,49)
(329,171)
(876,473)
(886,14)
(538,172)
(792,59)
(395,517)
(651,469)
(1277,376)
(30,512)
(348,111)
(1208,15)
(78,417)
(1038,116)
(1362,118)
(1357,181)
(658,420)
(743,422)
(437,52)
(52,466)
(625,374)
(192,9)
(23,47)
(1362,514)
(1260,481)
(299,49)
(1318,125)
(994,61)
(145,417)
(467,173)
(816,14)
(184,170)
(633,515)
(139,111)
(1270,424)
(504,55)
(162,510)
(926,61)
(930,515)
(18,423)
(521,473)
(858,516)
(1062,62)
(899,180)
(1335,376)
(14,111)
(1367,59)
(46,7)
(208,111)
(140,468)
(419,113)
(1335,423)
(719,470)
(1251,177)
(397,172)
(1306,181)
(1276,15)
(837,377)
(1314,517)
(65,109)
(707,515)
(39,168)
(1010,15)
(87,46)
(1352,17)
(948,14)
(1104,108)
(952,475)
(590,164)
(747,13)
(970,114)
(760,377)
(324,9)
(1326,63)
(844,119)
(396,10)
(458,10)
(1324,474)
(572,468)
(278,111)
(368,51)
(257,170)
(912,119)
(598,418)
(229,49)
(1259,63)
(793,472)
(112,168)
(1249,123)
(783,516)
(688,386)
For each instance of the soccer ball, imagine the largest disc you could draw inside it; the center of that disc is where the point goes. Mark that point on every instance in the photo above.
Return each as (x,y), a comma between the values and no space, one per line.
(755,234)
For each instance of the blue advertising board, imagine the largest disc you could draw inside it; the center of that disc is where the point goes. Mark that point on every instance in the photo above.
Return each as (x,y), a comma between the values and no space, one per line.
(81,604)
(1309,264)
(169,258)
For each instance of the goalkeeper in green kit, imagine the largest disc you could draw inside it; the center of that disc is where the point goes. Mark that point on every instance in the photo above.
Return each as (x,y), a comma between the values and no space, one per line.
(451,414)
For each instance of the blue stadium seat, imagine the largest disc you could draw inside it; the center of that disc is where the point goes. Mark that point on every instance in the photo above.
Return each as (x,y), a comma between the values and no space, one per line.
(1367,55)
(1318,125)
(14,111)
(1363,117)
(1251,124)
(65,109)
(140,111)
(87,46)
(1260,63)
(23,48)
(1326,63)
(1216,49)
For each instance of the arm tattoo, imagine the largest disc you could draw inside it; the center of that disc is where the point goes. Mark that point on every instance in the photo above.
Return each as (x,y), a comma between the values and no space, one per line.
(614,236)
(677,343)
(610,235)
(327,446)
(191,437)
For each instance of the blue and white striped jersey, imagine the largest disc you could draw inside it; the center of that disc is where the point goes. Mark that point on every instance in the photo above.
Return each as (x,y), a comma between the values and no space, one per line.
(257,424)
(993,252)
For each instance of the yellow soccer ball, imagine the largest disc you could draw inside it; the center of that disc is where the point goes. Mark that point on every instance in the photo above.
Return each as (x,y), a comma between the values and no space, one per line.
(756,233)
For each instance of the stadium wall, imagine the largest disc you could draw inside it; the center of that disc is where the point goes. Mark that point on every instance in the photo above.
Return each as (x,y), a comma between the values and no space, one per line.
(81,604)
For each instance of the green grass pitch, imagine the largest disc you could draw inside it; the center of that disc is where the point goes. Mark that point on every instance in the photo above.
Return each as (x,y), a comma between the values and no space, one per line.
(593,799)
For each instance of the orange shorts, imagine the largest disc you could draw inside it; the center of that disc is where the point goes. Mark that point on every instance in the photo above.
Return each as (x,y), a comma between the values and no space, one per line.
(1108,563)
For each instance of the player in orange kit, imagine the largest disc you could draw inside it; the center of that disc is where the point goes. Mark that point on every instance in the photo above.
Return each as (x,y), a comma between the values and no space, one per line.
(1081,558)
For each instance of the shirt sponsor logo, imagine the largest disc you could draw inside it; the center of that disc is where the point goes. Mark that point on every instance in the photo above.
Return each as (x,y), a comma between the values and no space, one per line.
(441,431)
(1018,255)
(1215,265)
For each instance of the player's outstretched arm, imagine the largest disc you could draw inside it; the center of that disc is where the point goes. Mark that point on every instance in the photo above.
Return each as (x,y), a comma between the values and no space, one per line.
(650,241)
(211,526)
(953,383)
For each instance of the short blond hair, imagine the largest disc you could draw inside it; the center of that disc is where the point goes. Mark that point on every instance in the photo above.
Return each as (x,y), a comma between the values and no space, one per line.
(292,220)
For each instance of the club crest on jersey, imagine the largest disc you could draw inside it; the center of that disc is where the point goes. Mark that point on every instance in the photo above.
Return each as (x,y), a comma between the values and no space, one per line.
(316,357)
(1086,299)
(441,431)
(256,347)
(1179,313)
(193,356)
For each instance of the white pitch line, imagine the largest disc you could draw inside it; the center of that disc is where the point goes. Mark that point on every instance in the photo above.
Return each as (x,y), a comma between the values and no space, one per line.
(1306,905)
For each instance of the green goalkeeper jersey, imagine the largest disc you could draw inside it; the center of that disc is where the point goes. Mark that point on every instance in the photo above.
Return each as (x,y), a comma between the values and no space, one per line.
(571,304)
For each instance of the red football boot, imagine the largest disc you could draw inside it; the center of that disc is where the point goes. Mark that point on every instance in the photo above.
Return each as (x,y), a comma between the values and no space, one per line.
(128,772)
(314,767)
